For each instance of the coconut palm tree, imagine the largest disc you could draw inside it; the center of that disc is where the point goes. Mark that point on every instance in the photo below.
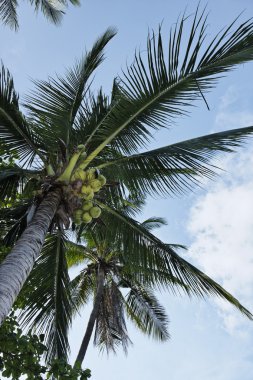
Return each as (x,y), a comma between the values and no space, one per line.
(104,273)
(118,284)
(68,134)
(52,9)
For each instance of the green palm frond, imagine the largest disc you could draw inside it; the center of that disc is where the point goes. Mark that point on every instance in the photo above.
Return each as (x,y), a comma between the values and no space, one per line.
(145,311)
(15,132)
(154,93)
(74,254)
(10,181)
(15,231)
(174,168)
(131,207)
(154,222)
(110,330)
(14,221)
(94,109)
(58,101)
(8,13)
(17,200)
(82,287)
(77,254)
(13,180)
(140,246)
(159,279)
(48,307)
(53,10)
(14,211)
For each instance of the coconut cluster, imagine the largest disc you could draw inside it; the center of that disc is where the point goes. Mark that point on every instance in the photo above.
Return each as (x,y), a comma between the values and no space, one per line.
(86,184)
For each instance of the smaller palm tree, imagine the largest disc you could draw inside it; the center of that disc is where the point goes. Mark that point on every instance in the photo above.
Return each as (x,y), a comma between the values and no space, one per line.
(50,300)
(122,283)
(119,289)
(52,9)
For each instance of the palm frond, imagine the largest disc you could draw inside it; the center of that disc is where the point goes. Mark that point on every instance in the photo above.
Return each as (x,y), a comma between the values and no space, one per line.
(140,246)
(13,180)
(154,222)
(10,182)
(49,307)
(93,110)
(110,329)
(154,93)
(131,207)
(82,287)
(145,311)
(13,220)
(77,254)
(8,13)
(175,168)
(58,101)
(159,279)
(15,132)
(53,10)
(14,228)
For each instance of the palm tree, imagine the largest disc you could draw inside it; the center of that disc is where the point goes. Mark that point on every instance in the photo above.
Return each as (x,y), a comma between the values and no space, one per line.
(52,9)
(68,134)
(106,277)
(119,284)
(106,272)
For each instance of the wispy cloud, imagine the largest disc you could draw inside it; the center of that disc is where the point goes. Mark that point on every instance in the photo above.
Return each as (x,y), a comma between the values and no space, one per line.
(221,222)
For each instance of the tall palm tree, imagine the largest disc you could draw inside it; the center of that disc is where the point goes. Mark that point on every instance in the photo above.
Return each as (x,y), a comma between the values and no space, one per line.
(52,9)
(119,284)
(68,134)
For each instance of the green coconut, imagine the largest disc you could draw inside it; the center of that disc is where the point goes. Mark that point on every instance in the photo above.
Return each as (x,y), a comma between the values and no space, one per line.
(87,205)
(95,212)
(86,189)
(89,196)
(86,218)
(78,174)
(101,178)
(96,185)
(78,213)
(91,174)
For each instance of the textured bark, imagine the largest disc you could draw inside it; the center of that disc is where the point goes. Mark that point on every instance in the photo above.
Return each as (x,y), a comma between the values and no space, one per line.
(93,317)
(18,264)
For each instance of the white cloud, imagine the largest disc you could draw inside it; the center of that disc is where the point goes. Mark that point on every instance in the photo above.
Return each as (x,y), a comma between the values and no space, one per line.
(232,112)
(221,224)
(232,120)
(229,98)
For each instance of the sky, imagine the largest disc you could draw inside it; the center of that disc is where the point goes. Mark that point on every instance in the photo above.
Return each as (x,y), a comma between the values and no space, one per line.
(209,339)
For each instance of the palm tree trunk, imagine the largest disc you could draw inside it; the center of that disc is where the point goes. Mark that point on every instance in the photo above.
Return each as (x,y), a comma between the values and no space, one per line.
(93,317)
(18,264)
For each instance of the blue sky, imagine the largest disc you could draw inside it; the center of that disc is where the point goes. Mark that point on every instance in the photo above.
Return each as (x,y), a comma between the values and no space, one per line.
(209,340)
